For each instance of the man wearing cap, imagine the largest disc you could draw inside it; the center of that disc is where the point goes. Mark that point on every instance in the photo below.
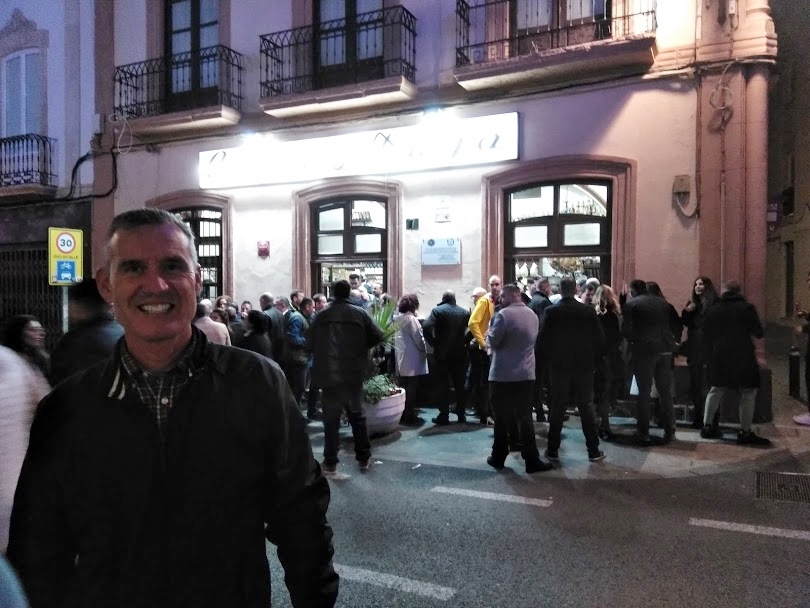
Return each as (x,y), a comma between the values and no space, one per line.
(444,330)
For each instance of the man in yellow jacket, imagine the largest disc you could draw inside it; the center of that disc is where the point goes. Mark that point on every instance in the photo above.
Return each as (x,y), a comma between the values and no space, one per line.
(482,312)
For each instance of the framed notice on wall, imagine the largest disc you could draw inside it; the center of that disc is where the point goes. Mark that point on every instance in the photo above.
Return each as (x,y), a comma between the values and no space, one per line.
(441,252)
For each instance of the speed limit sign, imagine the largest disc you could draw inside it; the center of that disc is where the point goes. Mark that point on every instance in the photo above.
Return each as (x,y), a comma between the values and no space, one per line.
(65,256)
(65,242)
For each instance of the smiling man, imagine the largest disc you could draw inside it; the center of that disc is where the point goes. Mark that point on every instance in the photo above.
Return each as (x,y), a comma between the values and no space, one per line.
(153,478)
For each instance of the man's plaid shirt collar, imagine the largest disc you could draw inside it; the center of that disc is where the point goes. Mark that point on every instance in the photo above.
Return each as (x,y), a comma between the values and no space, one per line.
(158,391)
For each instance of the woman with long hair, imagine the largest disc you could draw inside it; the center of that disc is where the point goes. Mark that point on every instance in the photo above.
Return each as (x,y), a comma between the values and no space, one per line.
(411,354)
(609,370)
(24,335)
(702,297)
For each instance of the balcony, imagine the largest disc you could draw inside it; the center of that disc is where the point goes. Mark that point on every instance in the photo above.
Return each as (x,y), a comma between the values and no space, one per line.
(26,168)
(339,65)
(515,43)
(177,94)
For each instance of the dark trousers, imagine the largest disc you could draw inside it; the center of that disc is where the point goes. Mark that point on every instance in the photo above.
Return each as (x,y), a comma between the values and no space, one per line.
(512,406)
(479,381)
(571,387)
(539,396)
(697,387)
(336,400)
(297,379)
(413,393)
(312,397)
(607,379)
(646,368)
(454,369)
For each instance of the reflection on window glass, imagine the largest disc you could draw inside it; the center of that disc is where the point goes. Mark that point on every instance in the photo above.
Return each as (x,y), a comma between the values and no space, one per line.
(532,202)
(368,214)
(329,244)
(531,236)
(181,15)
(581,234)
(578,199)
(331,219)
(368,243)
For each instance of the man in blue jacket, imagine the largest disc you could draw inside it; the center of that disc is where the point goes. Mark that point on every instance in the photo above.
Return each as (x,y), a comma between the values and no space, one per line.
(154,477)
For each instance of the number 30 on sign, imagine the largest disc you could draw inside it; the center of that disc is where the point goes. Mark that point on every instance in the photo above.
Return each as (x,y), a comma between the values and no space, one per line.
(64,256)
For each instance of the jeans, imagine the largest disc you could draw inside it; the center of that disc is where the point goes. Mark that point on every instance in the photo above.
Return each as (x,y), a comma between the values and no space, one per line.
(335,400)
(646,367)
(455,370)
(746,396)
(571,388)
(512,406)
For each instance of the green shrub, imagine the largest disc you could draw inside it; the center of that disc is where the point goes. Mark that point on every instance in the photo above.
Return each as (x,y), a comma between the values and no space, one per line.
(378,387)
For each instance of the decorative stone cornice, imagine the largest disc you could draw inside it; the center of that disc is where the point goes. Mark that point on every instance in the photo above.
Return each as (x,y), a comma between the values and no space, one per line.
(18,24)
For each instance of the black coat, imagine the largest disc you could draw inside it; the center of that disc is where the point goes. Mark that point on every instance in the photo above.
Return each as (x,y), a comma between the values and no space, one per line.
(339,339)
(538,304)
(445,330)
(728,329)
(84,345)
(257,343)
(693,322)
(277,333)
(651,324)
(179,525)
(571,336)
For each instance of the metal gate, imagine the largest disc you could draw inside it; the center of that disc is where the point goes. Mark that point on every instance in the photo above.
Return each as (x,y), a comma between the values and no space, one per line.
(24,288)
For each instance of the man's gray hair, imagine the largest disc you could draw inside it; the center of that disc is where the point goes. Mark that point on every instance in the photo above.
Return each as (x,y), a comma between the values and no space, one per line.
(148,216)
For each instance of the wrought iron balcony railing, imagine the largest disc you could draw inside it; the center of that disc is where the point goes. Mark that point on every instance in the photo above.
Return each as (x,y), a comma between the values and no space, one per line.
(494,30)
(373,46)
(185,81)
(27,159)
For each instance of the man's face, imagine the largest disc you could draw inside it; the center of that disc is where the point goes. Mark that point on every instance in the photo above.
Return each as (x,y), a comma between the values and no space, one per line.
(377,291)
(587,294)
(354,283)
(152,283)
(495,287)
(245,309)
(297,297)
(319,304)
(545,288)
(306,310)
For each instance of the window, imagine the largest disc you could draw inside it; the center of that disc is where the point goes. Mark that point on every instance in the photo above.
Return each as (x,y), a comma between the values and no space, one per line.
(350,237)
(192,39)
(540,25)
(349,39)
(206,224)
(558,229)
(22,95)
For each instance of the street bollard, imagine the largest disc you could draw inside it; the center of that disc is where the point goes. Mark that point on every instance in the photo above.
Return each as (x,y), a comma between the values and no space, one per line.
(794,375)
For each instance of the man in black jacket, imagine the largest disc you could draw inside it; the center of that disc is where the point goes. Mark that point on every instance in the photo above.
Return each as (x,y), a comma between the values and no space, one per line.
(445,330)
(571,340)
(541,290)
(276,331)
(648,329)
(153,478)
(340,338)
(92,336)
(729,327)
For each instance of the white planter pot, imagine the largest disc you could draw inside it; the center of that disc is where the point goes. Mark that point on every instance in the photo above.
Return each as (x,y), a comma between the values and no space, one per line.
(383,416)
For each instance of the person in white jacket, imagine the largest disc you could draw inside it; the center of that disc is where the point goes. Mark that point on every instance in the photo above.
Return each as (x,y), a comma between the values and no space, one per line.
(22,386)
(411,353)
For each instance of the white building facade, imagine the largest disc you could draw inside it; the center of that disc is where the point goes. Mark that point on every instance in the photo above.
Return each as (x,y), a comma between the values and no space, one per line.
(429,144)
(48,125)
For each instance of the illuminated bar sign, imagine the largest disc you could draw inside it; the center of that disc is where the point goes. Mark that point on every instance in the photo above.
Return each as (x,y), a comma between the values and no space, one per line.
(436,144)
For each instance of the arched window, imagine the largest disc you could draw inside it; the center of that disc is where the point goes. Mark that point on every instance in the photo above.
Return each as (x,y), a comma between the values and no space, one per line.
(209,217)
(557,229)
(206,224)
(350,237)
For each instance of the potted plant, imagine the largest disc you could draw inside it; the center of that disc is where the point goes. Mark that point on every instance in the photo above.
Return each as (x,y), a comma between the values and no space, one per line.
(383,400)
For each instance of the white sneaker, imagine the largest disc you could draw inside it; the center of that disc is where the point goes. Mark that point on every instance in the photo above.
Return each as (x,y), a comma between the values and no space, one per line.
(802,419)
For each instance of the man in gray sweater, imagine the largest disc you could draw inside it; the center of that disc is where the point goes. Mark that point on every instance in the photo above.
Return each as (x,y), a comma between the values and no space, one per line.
(511,337)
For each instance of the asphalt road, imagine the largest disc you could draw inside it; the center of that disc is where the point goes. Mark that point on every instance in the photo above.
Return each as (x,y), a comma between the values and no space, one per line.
(423,535)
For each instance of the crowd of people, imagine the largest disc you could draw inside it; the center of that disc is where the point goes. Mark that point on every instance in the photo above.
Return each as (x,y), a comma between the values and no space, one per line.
(157,429)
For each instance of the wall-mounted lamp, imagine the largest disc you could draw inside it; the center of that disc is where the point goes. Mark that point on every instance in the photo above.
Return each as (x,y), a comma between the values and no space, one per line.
(263,248)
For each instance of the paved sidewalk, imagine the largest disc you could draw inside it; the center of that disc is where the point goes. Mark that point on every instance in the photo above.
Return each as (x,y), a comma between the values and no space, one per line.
(468,445)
